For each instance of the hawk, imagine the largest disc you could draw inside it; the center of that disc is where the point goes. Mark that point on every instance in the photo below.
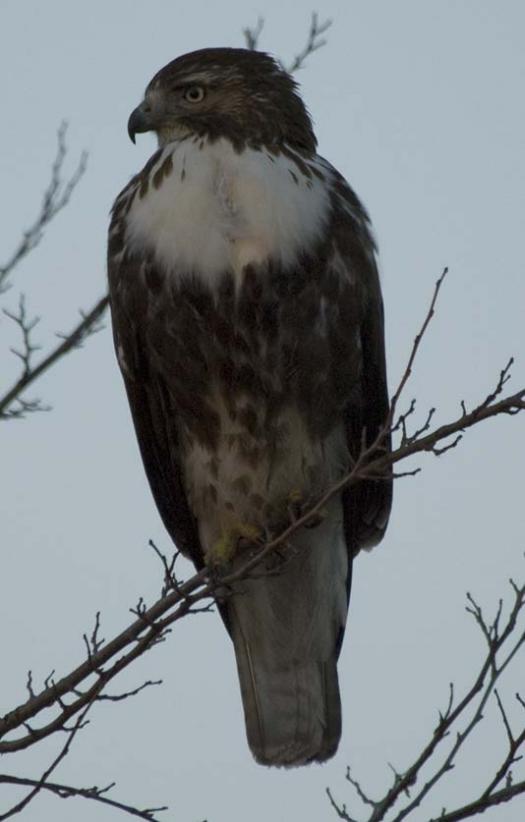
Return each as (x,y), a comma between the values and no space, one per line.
(248,326)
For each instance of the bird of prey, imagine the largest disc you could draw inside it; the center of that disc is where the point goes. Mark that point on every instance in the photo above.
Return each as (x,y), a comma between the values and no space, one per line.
(248,325)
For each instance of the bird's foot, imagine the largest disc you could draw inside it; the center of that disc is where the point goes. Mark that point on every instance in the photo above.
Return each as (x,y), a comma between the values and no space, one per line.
(239,535)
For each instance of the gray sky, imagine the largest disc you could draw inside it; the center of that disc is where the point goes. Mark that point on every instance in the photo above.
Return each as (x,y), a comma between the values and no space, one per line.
(420,106)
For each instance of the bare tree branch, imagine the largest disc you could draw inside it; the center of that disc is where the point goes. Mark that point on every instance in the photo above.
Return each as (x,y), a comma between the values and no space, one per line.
(12,404)
(502,646)
(314,40)
(26,326)
(252,35)
(313,43)
(72,696)
(481,805)
(413,354)
(56,196)
(339,809)
(105,661)
(37,785)
(67,791)
(94,793)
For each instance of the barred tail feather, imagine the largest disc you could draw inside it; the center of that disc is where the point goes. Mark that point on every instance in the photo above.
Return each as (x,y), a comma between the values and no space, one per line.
(286,628)
(292,716)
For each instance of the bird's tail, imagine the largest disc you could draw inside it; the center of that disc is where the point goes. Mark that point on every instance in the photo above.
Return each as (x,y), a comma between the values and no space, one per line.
(286,628)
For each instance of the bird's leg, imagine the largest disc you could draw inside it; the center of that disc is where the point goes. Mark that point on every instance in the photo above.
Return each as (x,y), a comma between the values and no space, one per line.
(237,534)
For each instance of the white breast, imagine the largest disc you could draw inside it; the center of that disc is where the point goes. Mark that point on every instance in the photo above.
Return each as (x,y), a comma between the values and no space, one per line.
(219,210)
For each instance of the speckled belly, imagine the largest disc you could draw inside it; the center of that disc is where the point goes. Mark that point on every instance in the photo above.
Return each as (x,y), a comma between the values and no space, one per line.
(259,407)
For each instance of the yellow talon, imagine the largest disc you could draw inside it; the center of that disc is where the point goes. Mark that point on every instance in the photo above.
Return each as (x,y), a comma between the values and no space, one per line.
(250,532)
(225,547)
(223,550)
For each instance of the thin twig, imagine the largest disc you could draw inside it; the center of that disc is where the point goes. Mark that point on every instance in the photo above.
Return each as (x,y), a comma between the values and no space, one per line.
(252,35)
(94,793)
(26,326)
(88,325)
(39,784)
(152,623)
(126,694)
(415,347)
(481,805)
(339,809)
(493,666)
(56,196)
(314,42)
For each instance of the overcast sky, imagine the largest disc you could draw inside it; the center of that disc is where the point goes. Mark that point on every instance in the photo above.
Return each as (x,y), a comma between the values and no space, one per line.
(420,106)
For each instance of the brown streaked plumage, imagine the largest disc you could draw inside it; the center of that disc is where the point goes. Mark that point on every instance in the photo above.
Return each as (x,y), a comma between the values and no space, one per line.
(248,324)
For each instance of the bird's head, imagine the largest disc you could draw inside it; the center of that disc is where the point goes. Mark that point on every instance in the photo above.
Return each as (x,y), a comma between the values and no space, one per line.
(239,94)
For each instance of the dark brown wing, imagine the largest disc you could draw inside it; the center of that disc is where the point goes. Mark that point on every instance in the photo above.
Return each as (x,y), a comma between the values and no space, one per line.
(151,406)
(367,505)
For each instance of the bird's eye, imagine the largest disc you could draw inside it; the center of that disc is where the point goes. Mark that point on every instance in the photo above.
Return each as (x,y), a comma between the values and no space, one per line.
(194,94)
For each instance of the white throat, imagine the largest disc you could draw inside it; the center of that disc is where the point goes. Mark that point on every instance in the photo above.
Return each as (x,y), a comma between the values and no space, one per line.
(216,210)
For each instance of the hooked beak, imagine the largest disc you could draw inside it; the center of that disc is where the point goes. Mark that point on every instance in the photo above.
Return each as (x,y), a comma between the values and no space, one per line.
(140,121)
